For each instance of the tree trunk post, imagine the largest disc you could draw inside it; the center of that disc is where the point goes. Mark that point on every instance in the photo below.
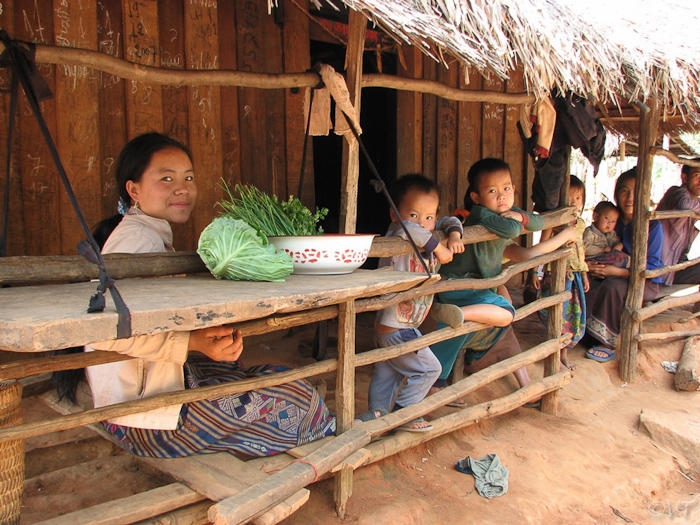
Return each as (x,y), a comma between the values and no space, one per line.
(629,328)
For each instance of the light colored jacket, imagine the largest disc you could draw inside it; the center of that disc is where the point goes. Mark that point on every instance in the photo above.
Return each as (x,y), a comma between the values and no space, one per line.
(159,367)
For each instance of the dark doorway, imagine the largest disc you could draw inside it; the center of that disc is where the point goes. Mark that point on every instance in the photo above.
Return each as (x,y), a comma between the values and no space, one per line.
(378,119)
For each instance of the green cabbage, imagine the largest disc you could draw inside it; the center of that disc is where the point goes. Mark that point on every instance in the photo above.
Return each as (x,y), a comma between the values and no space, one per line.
(233,250)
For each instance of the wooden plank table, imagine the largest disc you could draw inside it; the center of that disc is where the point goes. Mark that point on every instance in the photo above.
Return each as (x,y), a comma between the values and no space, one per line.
(51,317)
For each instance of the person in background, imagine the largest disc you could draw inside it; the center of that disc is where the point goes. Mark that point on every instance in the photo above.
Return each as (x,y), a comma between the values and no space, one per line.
(680,233)
(576,277)
(608,291)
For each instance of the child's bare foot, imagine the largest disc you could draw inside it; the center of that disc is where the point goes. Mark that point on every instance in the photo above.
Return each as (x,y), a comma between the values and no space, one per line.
(566,364)
(450,314)
(457,403)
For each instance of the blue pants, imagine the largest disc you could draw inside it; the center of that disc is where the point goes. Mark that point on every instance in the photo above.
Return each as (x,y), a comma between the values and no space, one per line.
(420,369)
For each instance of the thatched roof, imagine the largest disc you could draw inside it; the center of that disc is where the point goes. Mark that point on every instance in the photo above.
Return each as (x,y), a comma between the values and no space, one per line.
(600,49)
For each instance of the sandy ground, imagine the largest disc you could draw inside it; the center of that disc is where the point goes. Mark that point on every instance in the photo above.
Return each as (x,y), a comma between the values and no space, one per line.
(591,463)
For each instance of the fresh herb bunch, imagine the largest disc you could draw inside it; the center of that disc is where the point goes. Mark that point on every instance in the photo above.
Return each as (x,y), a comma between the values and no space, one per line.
(268,214)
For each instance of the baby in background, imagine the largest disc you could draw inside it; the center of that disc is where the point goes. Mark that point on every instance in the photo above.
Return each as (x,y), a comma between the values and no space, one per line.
(600,241)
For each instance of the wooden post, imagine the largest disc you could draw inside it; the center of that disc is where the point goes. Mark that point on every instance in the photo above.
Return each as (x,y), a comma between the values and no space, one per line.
(351,150)
(648,124)
(555,317)
(345,395)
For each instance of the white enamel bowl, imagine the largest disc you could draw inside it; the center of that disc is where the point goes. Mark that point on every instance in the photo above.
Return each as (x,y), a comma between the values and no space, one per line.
(325,254)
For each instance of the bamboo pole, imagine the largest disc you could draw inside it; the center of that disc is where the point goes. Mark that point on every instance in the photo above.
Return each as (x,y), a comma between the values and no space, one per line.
(649,122)
(128,70)
(664,304)
(39,269)
(673,214)
(674,158)
(555,317)
(441,90)
(650,274)
(401,441)
(660,336)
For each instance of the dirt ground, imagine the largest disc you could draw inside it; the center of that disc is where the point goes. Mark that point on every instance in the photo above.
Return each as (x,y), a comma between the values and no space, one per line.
(591,463)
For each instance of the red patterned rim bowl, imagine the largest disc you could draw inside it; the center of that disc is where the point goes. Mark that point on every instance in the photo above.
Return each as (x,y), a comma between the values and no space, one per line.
(327,254)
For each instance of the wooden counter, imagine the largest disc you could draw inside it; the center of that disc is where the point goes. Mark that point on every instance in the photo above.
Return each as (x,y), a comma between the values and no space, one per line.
(40,318)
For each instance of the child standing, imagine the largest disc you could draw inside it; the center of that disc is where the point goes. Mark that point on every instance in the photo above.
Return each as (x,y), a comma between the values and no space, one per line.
(417,201)
(490,199)
(576,277)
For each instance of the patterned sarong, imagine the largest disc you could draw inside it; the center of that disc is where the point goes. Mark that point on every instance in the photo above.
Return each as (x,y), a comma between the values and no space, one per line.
(261,422)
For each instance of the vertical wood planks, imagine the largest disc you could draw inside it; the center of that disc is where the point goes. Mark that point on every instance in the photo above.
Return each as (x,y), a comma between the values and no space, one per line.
(172,41)
(251,102)
(513,149)
(230,135)
(112,97)
(202,52)
(409,117)
(33,167)
(143,101)
(468,132)
(430,103)
(493,121)
(274,113)
(295,33)
(446,161)
(77,129)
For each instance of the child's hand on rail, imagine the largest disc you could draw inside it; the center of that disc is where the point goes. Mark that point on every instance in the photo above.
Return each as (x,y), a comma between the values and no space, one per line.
(219,343)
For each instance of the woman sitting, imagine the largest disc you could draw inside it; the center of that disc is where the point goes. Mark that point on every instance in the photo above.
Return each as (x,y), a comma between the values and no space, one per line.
(608,286)
(156,180)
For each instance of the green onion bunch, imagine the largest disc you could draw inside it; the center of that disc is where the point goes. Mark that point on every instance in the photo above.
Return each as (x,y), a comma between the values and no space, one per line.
(268,214)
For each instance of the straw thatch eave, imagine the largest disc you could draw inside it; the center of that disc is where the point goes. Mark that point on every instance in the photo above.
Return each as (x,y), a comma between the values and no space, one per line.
(560,45)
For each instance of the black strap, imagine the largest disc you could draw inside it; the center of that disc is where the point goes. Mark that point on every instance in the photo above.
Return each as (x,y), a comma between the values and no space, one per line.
(382,187)
(20,57)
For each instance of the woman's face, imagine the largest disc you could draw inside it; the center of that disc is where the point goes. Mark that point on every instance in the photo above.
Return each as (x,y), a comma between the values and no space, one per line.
(625,198)
(166,189)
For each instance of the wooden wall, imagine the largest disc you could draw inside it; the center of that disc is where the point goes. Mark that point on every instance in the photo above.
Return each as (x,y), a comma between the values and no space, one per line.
(241,134)
(442,138)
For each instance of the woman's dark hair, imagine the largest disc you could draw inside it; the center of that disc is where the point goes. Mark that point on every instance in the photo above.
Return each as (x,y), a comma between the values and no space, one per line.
(575,182)
(624,177)
(131,164)
(412,181)
(479,169)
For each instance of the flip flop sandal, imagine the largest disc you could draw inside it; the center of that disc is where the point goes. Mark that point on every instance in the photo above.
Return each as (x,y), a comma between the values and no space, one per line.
(409,428)
(371,415)
(610,354)
(534,404)
(457,404)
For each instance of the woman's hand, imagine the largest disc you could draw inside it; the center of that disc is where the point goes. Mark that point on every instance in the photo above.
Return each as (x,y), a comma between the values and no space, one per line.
(586,283)
(601,271)
(218,343)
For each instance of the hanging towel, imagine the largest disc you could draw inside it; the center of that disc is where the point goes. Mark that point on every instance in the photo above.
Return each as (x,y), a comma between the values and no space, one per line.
(490,477)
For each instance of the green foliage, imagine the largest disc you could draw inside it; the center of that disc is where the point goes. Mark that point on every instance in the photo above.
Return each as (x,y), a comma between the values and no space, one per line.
(270,216)
(233,250)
